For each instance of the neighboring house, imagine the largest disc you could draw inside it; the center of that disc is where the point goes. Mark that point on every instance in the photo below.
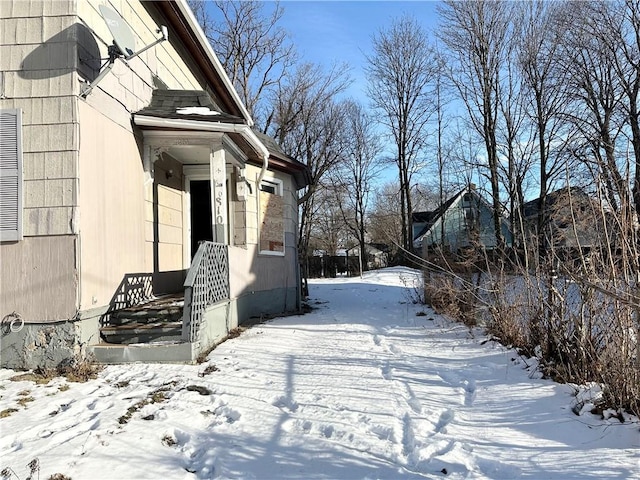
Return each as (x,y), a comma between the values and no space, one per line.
(572,220)
(464,220)
(152,183)
(376,258)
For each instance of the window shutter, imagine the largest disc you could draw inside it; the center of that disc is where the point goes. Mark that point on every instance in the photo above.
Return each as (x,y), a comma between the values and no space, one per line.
(10,175)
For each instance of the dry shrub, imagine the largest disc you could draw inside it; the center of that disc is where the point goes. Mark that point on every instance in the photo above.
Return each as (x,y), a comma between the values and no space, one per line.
(80,371)
(75,369)
(452,296)
(39,377)
(7,412)
(508,327)
(582,326)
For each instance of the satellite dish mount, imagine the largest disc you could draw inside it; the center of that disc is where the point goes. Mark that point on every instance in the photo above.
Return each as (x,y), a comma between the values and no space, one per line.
(123,45)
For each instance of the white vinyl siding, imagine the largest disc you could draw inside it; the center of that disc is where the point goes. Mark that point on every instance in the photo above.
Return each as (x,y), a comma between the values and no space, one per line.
(10,175)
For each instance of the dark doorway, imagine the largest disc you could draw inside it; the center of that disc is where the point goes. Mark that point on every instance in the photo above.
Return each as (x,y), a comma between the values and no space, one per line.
(201,229)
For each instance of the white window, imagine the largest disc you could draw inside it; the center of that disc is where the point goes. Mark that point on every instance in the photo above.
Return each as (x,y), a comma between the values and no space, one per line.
(10,175)
(271,217)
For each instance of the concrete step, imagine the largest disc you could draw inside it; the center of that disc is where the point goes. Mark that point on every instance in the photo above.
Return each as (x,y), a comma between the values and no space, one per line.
(163,352)
(142,332)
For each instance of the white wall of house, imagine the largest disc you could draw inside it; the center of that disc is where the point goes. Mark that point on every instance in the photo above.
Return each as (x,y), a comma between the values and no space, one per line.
(254,272)
(111,207)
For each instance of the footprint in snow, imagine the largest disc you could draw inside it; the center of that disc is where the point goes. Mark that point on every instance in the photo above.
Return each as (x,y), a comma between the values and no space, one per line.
(387,372)
(415,405)
(445,419)
(297,426)
(497,470)
(469,392)
(228,414)
(327,431)
(100,405)
(408,436)
(412,400)
(285,403)
(382,432)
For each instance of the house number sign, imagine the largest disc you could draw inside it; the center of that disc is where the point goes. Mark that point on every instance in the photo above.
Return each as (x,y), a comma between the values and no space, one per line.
(218,200)
(219,196)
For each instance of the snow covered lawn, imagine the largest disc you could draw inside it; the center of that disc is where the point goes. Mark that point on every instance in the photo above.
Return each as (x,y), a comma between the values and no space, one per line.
(360,388)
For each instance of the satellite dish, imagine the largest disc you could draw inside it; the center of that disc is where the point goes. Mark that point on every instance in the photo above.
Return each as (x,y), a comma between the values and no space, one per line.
(124,43)
(122,35)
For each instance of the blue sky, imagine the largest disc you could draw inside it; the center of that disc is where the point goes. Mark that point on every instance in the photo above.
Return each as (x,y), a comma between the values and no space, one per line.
(337,32)
(340,32)
(328,32)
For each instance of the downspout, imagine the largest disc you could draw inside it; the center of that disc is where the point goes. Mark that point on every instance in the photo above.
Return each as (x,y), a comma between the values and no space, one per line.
(252,138)
(263,171)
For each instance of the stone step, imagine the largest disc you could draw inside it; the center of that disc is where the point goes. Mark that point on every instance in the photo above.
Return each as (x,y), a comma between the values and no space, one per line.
(142,332)
(165,309)
(151,315)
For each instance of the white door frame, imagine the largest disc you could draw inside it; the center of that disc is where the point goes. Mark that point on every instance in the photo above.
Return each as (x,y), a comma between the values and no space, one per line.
(191,173)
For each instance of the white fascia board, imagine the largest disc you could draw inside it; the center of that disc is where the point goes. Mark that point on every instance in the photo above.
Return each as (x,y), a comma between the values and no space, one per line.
(245,130)
(202,39)
(238,155)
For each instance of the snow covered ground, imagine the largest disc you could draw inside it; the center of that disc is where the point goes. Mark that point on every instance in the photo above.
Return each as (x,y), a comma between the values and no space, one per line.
(361,388)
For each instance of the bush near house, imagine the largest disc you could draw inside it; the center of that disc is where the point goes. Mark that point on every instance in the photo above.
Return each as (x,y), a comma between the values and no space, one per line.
(578,315)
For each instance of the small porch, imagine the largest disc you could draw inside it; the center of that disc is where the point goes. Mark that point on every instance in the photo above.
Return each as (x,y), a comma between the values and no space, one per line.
(194,158)
(140,326)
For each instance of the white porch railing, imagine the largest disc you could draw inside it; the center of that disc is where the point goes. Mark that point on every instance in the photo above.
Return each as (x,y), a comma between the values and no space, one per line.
(207,283)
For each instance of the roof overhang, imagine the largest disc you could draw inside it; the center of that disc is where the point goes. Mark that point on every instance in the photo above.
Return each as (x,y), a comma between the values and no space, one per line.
(243,130)
(299,171)
(242,134)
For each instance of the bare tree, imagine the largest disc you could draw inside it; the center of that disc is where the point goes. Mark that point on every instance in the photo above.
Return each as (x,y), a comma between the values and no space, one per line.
(476,34)
(307,122)
(596,97)
(357,172)
(385,225)
(618,28)
(441,97)
(400,72)
(329,231)
(254,51)
(539,46)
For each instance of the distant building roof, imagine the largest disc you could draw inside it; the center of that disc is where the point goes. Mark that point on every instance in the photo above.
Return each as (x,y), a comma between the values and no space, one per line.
(432,217)
(532,207)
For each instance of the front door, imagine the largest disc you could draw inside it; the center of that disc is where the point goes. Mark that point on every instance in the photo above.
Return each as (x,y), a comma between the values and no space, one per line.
(201,221)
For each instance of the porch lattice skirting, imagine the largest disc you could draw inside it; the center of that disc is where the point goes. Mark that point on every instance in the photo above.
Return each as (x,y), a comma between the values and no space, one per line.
(206,284)
(134,289)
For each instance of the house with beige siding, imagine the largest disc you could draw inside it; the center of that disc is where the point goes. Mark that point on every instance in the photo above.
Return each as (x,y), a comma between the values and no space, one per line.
(142,216)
